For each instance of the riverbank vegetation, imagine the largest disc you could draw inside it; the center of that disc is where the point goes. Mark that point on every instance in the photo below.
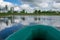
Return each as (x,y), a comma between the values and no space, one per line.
(23,12)
(36,12)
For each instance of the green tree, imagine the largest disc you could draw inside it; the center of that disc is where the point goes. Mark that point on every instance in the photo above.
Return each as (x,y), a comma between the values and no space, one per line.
(35,12)
(39,11)
(23,11)
(15,12)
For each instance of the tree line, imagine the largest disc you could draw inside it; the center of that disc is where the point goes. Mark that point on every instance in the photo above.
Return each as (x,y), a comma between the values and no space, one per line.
(11,11)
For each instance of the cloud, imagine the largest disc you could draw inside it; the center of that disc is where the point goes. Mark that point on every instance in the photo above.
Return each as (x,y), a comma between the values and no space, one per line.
(27,7)
(3,4)
(9,4)
(1,0)
(17,8)
(56,5)
(35,1)
(43,4)
(31,5)
(38,1)
(58,1)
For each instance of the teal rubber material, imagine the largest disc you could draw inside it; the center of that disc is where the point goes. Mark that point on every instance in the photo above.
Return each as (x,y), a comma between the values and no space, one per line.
(36,32)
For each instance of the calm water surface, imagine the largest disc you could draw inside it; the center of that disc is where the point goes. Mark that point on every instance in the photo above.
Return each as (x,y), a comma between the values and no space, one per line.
(9,25)
(6,22)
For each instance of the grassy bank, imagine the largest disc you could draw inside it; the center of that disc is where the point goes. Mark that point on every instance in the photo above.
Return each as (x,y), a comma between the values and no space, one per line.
(8,14)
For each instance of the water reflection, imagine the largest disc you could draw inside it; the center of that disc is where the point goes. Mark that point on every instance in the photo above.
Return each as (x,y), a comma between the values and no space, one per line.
(8,31)
(5,22)
(8,25)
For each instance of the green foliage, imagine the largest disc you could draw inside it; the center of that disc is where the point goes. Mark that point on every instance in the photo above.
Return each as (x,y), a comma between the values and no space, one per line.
(35,12)
(39,11)
(23,12)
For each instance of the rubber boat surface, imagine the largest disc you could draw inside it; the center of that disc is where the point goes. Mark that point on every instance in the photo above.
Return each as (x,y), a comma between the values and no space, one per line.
(36,32)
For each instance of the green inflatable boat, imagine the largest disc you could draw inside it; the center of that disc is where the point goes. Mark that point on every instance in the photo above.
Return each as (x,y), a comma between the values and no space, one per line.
(36,32)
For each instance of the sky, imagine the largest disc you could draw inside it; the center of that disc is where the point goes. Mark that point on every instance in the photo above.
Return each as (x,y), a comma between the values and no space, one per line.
(31,5)
(14,1)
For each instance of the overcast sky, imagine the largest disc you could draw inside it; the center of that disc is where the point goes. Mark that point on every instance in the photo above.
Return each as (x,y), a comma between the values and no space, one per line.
(31,5)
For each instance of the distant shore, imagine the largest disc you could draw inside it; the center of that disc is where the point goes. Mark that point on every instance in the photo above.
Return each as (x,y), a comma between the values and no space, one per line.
(12,14)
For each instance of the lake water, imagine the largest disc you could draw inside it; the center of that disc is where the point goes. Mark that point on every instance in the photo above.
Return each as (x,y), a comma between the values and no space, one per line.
(11,24)
(6,22)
